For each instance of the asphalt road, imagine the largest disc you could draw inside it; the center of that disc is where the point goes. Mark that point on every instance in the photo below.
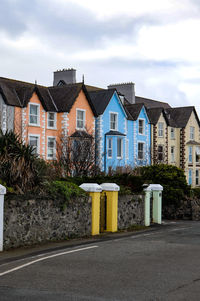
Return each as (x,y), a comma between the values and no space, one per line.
(158,265)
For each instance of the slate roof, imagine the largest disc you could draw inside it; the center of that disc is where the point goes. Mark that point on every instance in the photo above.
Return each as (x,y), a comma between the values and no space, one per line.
(154,114)
(54,99)
(15,93)
(178,117)
(133,110)
(81,134)
(150,103)
(100,99)
(114,133)
(193,142)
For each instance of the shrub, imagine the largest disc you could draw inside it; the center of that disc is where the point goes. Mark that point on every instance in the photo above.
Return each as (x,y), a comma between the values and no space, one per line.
(19,166)
(64,190)
(171,178)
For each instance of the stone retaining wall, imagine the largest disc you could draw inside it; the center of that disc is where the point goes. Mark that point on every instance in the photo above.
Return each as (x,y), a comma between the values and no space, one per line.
(189,209)
(33,221)
(130,211)
(28,222)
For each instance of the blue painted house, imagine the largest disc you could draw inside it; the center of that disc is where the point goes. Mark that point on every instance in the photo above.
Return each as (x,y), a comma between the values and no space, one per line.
(139,135)
(111,129)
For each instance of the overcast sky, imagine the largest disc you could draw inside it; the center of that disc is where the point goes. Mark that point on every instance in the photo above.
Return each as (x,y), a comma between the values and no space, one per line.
(153,43)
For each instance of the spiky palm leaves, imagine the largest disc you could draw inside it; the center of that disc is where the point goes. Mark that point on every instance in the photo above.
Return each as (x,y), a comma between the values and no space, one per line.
(17,162)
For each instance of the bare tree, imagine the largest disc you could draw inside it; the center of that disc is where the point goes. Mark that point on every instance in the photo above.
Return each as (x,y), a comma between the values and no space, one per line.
(76,154)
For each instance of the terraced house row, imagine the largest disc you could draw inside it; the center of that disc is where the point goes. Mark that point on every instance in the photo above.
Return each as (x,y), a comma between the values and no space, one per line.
(128,130)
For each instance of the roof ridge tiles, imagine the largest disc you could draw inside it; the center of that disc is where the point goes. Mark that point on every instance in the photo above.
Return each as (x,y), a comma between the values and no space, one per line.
(20,82)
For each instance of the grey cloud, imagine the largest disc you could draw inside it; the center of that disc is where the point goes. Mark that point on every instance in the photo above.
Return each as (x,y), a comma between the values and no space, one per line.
(77,27)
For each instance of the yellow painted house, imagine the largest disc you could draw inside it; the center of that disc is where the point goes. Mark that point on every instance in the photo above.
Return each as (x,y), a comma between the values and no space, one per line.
(175,139)
(184,141)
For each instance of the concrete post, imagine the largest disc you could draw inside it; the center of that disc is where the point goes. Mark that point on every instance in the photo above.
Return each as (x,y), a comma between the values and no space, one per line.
(111,191)
(157,206)
(147,207)
(94,191)
(2,193)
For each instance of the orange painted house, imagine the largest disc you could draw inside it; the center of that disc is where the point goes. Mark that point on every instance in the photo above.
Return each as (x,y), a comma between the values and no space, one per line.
(44,115)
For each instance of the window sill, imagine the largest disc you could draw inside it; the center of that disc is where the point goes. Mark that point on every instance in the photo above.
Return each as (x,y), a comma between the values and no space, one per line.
(80,129)
(49,128)
(36,125)
(50,159)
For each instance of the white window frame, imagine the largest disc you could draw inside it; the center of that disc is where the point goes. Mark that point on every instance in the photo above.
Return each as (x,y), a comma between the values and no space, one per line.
(160,130)
(190,154)
(163,153)
(54,149)
(55,121)
(172,133)
(38,146)
(116,127)
(143,152)
(120,157)
(110,148)
(143,126)
(192,132)
(173,154)
(38,116)
(84,118)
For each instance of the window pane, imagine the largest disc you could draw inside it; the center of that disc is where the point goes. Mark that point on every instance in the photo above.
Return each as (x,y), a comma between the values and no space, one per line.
(110,147)
(33,110)
(160,153)
(140,151)
(141,126)
(51,144)
(113,121)
(119,147)
(51,120)
(33,116)
(197,177)
(190,154)
(33,119)
(160,129)
(80,119)
(33,141)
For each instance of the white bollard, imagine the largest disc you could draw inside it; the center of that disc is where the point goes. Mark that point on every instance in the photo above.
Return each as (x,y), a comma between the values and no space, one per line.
(2,193)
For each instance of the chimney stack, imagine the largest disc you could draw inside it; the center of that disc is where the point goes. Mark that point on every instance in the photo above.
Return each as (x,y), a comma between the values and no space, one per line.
(126,89)
(65,76)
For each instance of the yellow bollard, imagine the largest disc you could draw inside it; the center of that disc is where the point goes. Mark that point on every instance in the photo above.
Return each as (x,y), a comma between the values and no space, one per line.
(111,191)
(94,191)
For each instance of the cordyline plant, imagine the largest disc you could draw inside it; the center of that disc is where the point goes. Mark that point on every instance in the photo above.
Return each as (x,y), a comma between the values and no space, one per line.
(18,164)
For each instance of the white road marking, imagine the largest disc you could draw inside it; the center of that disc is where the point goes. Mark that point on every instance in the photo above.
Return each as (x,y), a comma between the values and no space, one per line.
(44,258)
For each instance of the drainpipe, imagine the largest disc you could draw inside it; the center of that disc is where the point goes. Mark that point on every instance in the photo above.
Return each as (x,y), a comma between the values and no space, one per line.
(105,153)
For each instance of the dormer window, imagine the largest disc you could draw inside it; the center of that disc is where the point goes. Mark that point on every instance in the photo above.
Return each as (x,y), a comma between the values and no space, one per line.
(191,132)
(51,120)
(80,119)
(34,114)
(113,122)
(172,133)
(160,129)
(141,126)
